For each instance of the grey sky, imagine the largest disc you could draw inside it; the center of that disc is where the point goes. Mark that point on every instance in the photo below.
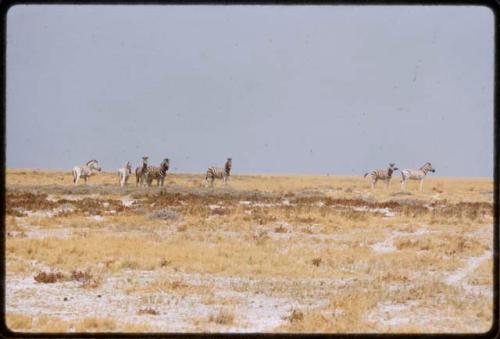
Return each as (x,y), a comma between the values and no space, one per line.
(295,89)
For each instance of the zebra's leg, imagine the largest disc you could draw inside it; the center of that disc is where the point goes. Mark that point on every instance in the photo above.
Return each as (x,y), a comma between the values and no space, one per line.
(207,176)
(374,181)
(421,184)
(86,179)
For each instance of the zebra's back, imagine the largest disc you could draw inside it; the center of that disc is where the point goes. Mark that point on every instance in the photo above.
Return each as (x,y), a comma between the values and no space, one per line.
(379,174)
(412,174)
(216,172)
(156,172)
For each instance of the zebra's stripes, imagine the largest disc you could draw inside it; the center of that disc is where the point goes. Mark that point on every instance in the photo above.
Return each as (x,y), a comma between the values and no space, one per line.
(382,174)
(410,174)
(85,171)
(219,172)
(141,172)
(158,173)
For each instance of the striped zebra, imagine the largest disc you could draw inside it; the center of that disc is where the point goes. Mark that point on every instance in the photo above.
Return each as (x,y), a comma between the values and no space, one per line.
(124,173)
(141,172)
(382,174)
(85,171)
(158,173)
(219,173)
(410,174)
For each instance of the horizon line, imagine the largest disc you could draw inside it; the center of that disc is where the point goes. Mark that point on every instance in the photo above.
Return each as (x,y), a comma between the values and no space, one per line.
(276,174)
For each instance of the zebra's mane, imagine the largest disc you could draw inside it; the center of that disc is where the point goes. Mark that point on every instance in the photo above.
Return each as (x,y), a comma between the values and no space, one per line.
(425,165)
(164,166)
(91,161)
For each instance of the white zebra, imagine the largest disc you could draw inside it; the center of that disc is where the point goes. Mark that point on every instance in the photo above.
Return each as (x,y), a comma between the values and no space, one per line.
(410,174)
(85,171)
(219,173)
(124,173)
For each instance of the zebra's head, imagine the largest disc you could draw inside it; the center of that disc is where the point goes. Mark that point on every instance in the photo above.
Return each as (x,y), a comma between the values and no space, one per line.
(94,165)
(228,165)
(145,163)
(165,163)
(391,169)
(428,168)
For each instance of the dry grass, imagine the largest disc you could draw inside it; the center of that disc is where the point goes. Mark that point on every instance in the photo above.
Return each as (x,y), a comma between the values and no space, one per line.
(222,317)
(42,323)
(49,278)
(93,324)
(291,237)
(49,324)
(148,310)
(483,275)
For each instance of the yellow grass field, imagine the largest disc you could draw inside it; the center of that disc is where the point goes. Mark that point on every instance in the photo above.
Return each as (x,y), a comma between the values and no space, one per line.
(262,254)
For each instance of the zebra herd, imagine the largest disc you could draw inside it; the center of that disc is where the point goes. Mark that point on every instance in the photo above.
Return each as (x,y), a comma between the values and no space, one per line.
(406,174)
(145,174)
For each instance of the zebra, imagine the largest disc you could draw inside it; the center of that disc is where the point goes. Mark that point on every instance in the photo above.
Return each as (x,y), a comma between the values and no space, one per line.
(410,174)
(158,173)
(219,173)
(124,173)
(85,171)
(141,172)
(382,174)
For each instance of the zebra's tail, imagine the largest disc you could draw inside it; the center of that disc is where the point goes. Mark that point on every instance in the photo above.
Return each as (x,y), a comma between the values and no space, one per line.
(74,176)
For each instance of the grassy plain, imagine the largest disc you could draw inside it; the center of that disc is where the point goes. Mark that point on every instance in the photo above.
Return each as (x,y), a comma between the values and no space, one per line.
(264,254)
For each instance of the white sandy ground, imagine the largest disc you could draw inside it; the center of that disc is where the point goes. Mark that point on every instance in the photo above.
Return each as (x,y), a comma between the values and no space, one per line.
(387,245)
(396,314)
(391,315)
(71,197)
(127,201)
(257,312)
(457,278)
(385,211)
(285,202)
